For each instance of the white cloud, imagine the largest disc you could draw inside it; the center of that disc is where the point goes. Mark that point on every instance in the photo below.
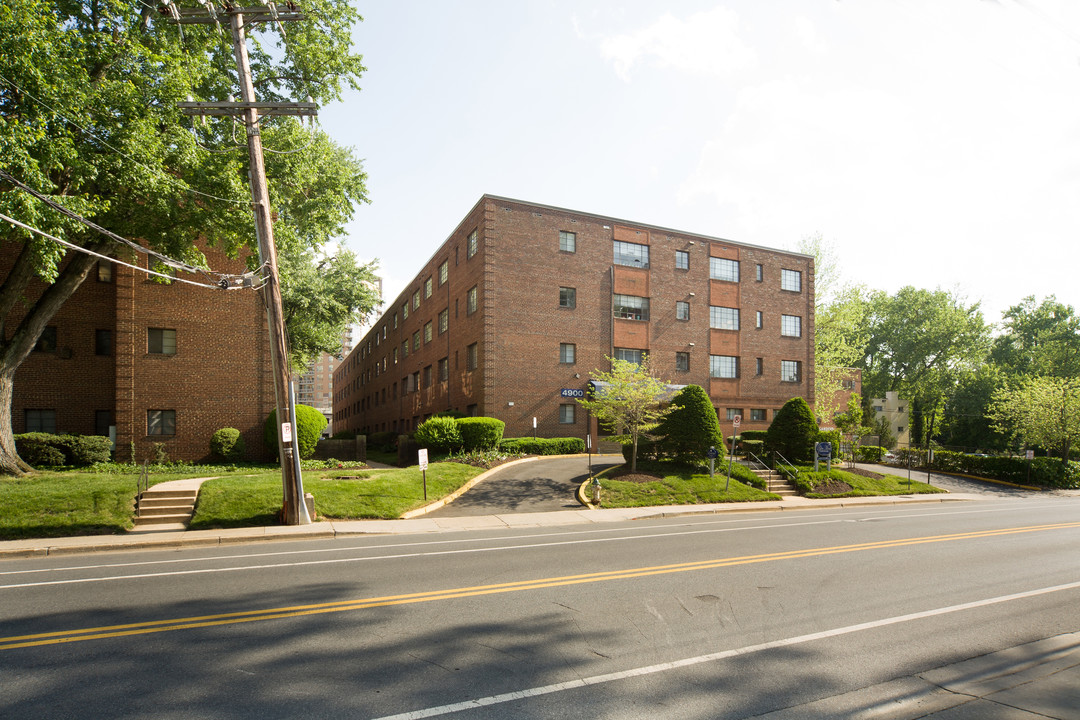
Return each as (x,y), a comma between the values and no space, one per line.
(705,42)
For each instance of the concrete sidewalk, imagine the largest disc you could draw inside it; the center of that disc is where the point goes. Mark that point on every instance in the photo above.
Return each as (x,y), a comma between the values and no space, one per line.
(42,547)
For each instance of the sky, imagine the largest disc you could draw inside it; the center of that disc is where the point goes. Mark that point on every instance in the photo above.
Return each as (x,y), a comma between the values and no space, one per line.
(930,143)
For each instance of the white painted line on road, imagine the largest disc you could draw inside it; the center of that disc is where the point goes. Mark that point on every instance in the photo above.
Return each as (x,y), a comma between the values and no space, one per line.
(713,657)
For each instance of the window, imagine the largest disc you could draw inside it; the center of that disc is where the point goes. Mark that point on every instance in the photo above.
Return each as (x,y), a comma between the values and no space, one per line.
(427,332)
(791,280)
(567,241)
(471,357)
(759,272)
(790,371)
(405,349)
(470,301)
(41,421)
(682,310)
(566,414)
(759,320)
(395,320)
(103,342)
(427,288)
(427,376)
(732,412)
(631,254)
(760,367)
(444,369)
(567,353)
(395,356)
(682,362)
(444,320)
(682,260)
(472,410)
(721,269)
(103,420)
(160,422)
(104,271)
(161,341)
(416,341)
(757,415)
(471,244)
(722,318)
(444,272)
(629,355)
(723,366)
(899,428)
(630,307)
(791,325)
(567,297)
(46,342)
(416,300)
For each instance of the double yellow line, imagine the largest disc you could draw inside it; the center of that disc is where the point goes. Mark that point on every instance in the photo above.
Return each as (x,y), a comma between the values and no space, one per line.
(202,621)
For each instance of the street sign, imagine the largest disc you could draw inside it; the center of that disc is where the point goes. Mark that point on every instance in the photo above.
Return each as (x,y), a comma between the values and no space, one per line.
(737,420)
(1030,454)
(713,453)
(286,433)
(572,393)
(824,449)
(422,457)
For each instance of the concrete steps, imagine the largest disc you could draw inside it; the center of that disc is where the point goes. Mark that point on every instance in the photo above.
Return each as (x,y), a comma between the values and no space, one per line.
(775,483)
(165,509)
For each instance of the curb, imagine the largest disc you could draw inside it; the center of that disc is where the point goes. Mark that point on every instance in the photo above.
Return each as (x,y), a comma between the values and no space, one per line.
(417,512)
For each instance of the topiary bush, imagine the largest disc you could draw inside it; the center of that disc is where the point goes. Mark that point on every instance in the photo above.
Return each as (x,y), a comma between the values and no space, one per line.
(439,433)
(227,444)
(480,433)
(542,446)
(689,429)
(793,431)
(310,423)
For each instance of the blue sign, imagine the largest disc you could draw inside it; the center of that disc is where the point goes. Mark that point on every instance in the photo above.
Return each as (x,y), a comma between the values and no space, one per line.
(713,453)
(824,449)
(573,393)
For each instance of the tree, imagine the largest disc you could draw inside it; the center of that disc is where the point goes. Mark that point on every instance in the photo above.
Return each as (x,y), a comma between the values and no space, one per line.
(1043,411)
(840,340)
(689,428)
(920,342)
(793,431)
(89,117)
(628,400)
(1041,339)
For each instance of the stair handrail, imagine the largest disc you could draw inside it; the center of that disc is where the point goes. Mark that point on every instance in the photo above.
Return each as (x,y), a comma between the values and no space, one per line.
(141,486)
(759,461)
(787,462)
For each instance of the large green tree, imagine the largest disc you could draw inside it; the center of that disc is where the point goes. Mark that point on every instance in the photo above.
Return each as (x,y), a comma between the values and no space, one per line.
(1043,411)
(1039,339)
(919,343)
(88,116)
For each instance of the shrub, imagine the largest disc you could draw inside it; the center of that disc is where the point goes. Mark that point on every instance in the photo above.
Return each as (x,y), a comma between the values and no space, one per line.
(227,444)
(753,446)
(869,453)
(793,431)
(439,433)
(48,450)
(310,423)
(746,435)
(480,433)
(688,430)
(344,435)
(833,438)
(542,446)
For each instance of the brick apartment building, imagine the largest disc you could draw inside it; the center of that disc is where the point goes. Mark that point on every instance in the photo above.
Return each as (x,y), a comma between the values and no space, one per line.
(523,301)
(151,362)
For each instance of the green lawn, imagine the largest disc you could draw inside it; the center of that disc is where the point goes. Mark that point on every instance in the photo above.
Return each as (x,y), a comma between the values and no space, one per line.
(825,484)
(681,486)
(339,494)
(61,504)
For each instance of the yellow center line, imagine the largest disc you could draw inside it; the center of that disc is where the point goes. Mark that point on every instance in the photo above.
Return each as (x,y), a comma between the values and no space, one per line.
(202,621)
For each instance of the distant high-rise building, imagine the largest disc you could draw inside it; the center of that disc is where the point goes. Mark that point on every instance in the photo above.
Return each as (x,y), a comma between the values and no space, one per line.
(315,387)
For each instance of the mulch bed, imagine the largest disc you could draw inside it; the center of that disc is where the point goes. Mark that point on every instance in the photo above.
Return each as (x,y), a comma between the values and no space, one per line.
(864,473)
(623,473)
(833,487)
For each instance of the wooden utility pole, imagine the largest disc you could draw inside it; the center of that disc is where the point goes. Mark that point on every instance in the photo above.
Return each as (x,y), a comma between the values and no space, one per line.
(294,509)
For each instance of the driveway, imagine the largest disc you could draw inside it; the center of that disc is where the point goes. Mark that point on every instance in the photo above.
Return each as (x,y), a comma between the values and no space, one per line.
(952,483)
(542,486)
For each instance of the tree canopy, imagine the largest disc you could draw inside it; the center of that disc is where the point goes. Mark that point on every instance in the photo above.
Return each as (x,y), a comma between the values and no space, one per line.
(89,118)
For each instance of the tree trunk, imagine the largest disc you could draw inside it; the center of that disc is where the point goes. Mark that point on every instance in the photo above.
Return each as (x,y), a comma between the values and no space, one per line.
(14,350)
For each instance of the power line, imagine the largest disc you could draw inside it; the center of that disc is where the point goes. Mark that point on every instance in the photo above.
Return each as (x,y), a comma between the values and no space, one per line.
(219,285)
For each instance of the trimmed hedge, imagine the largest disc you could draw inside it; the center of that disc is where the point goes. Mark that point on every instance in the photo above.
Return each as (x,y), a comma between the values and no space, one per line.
(310,424)
(47,450)
(1044,472)
(439,433)
(753,446)
(748,435)
(227,444)
(543,446)
(869,453)
(480,433)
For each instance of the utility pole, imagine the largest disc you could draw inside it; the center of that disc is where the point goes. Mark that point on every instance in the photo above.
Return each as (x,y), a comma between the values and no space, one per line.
(294,508)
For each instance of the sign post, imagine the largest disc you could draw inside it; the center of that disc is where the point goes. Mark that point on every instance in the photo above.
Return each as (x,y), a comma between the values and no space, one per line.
(824,452)
(422,457)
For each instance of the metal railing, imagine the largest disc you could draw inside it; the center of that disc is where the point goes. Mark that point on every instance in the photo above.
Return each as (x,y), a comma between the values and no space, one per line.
(141,486)
(790,466)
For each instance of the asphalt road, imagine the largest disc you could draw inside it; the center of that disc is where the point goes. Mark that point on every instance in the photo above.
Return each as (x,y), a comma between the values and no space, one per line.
(798,614)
